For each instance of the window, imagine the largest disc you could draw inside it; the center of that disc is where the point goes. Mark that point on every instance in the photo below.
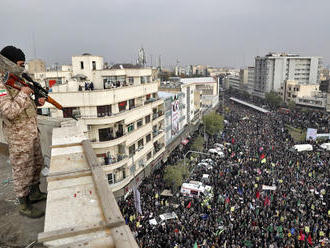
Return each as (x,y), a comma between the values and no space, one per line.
(124,174)
(68,112)
(139,123)
(143,80)
(81,65)
(140,143)
(147,119)
(104,110)
(130,127)
(122,106)
(131,80)
(148,138)
(111,178)
(94,65)
(105,134)
(131,150)
(148,96)
(149,156)
(148,79)
(131,103)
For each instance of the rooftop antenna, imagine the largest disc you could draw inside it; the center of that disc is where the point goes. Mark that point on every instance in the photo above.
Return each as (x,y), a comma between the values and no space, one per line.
(159,62)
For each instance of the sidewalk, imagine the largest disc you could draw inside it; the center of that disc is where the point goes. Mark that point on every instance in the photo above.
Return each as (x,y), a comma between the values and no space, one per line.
(15,229)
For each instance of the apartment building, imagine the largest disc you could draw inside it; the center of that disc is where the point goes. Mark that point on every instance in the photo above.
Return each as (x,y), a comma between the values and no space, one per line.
(303,95)
(233,81)
(121,114)
(250,79)
(174,108)
(272,70)
(207,87)
(188,98)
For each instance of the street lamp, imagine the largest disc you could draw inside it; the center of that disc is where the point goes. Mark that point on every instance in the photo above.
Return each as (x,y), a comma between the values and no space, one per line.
(190,151)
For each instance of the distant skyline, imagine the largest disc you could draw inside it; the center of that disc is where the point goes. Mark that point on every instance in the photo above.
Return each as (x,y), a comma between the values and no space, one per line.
(210,32)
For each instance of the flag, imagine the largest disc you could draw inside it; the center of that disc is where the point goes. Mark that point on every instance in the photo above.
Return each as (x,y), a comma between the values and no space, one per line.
(310,239)
(258,195)
(195,245)
(263,161)
(189,205)
(262,156)
(51,83)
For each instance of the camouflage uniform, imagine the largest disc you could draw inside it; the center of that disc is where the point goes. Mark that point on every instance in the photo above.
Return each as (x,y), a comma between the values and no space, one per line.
(18,112)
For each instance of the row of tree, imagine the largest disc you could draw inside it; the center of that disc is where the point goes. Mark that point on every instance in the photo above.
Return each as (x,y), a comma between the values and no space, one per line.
(175,175)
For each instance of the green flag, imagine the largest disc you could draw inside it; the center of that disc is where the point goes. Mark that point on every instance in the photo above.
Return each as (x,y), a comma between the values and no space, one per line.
(195,245)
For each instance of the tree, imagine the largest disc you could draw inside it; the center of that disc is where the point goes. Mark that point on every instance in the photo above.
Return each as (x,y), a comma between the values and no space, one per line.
(291,105)
(174,175)
(198,144)
(213,123)
(273,99)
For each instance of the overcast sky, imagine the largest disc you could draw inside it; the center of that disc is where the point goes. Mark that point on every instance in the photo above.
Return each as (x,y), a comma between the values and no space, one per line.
(211,32)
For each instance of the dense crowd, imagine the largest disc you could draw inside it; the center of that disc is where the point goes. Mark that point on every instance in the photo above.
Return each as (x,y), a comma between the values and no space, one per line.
(242,212)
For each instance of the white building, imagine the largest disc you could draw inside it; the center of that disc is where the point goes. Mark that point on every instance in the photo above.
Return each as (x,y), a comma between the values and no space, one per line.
(233,81)
(272,70)
(208,88)
(187,99)
(123,117)
(251,79)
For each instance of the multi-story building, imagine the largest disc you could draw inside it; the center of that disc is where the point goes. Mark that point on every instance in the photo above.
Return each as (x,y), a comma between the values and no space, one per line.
(243,75)
(174,114)
(122,116)
(207,87)
(36,65)
(272,70)
(233,81)
(250,79)
(303,95)
(187,99)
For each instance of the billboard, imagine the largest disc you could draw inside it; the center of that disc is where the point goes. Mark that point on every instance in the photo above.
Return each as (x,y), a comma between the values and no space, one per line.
(175,116)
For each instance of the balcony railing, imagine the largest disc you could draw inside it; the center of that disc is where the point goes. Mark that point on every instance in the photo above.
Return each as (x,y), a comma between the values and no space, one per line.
(112,159)
(158,147)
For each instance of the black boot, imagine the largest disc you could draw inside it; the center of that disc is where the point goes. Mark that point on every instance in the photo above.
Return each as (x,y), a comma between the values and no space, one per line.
(35,194)
(26,209)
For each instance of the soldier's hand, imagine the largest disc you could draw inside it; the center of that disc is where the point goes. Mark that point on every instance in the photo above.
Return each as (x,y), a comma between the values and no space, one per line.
(41,101)
(27,90)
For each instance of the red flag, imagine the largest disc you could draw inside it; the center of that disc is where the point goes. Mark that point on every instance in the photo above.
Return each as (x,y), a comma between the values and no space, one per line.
(258,195)
(262,156)
(301,236)
(227,200)
(189,205)
(232,140)
(310,239)
(51,83)
(267,201)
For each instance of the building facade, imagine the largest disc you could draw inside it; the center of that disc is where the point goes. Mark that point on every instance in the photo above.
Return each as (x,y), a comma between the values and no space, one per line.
(272,70)
(174,114)
(121,115)
(250,79)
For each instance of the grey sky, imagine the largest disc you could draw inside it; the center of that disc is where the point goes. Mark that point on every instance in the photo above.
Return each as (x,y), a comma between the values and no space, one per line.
(212,32)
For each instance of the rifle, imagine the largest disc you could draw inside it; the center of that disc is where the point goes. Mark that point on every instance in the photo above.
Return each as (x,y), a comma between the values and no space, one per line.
(11,79)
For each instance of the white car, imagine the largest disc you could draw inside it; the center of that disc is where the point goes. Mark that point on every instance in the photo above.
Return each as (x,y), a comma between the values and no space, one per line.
(217,152)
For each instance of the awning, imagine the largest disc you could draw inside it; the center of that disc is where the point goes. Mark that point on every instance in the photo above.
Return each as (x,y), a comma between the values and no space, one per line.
(184,142)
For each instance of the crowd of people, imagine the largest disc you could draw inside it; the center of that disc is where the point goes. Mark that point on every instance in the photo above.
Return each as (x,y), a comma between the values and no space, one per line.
(265,194)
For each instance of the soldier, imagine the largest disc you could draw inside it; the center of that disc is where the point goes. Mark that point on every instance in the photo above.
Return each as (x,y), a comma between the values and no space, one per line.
(19,116)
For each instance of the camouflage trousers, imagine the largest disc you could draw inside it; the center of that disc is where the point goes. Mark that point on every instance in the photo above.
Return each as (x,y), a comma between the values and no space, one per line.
(25,155)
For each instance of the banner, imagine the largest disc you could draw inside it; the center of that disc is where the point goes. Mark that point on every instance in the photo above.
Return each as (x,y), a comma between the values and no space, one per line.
(311,134)
(137,200)
(175,117)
